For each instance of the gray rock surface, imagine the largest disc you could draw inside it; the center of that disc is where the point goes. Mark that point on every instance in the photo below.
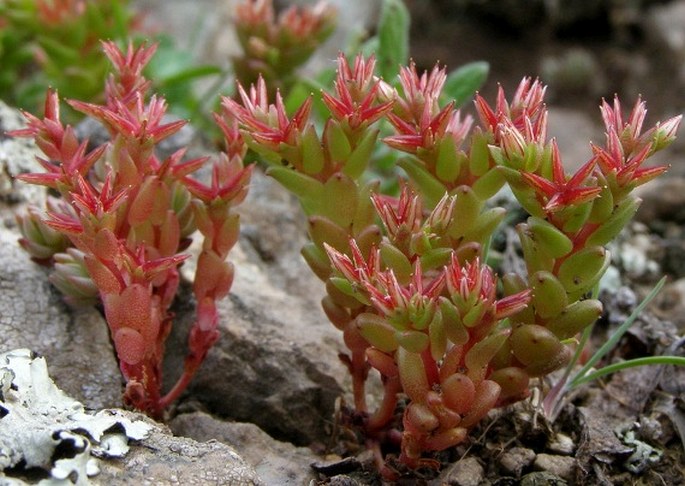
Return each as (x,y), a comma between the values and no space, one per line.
(50,434)
(276,363)
(32,315)
(468,471)
(163,459)
(275,462)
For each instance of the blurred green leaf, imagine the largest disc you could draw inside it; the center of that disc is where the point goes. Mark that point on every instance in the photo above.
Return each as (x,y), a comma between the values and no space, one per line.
(393,38)
(463,82)
(189,74)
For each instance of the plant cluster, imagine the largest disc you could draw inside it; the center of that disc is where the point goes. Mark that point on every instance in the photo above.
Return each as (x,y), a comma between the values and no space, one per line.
(274,46)
(57,43)
(414,296)
(407,277)
(123,218)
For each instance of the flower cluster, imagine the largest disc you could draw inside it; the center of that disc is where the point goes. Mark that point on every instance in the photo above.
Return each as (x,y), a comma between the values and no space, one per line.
(274,46)
(124,216)
(414,296)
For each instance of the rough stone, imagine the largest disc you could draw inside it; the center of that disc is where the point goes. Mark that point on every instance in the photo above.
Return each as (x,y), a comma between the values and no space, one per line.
(663,202)
(53,435)
(562,466)
(465,472)
(276,363)
(17,156)
(665,27)
(542,478)
(573,129)
(76,344)
(516,459)
(212,37)
(275,462)
(163,459)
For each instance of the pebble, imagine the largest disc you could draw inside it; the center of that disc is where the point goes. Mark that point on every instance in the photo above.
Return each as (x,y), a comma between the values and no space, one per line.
(515,460)
(466,472)
(562,444)
(562,466)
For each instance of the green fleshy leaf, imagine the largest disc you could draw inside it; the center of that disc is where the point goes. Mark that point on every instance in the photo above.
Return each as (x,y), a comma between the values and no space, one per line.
(307,189)
(575,318)
(448,164)
(552,239)
(393,38)
(397,261)
(489,184)
(340,199)
(431,188)
(317,260)
(580,271)
(377,331)
(466,211)
(312,153)
(358,160)
(479,155)
(337,144)
(549,295)
(463,82)
(608,230)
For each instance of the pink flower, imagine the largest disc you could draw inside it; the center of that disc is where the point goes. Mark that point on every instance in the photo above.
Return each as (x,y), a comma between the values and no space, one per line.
(401,217)
(526,113)
(229,182)
(66,156)
(417,116)
(627,147)
(139,121)
(129,68)
(392,298)
(560,193)
(268,123)
(356,269)
(356,89)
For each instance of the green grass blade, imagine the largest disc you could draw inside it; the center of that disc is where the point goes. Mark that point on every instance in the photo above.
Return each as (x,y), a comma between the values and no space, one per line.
(612,368)
(609,345)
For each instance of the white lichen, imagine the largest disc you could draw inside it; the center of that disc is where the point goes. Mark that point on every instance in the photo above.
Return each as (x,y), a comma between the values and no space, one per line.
(36,418)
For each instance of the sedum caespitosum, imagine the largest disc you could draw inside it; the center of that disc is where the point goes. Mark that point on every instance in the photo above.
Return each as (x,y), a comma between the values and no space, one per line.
(124,216)
(274,46)
(413,295)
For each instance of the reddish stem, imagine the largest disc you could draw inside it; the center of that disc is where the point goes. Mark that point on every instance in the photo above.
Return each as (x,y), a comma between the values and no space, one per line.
(386,411)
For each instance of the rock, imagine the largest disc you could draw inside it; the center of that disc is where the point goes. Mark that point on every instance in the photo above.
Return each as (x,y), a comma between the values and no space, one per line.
(542,478)
(466,472)
(598,443)
(516,459)
(276,363)
(562,444)
(573,130)
(32,315)
(49,434)
(17,155)
(562,466)
(212,37)
(665,27)
(76,344)
(163,460)
(275,462)
(662,202)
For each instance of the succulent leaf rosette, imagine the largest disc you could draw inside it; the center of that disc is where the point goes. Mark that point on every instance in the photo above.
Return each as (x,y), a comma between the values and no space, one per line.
(406,277)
